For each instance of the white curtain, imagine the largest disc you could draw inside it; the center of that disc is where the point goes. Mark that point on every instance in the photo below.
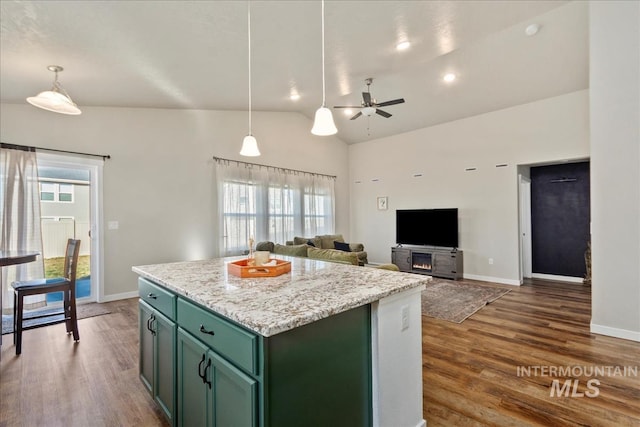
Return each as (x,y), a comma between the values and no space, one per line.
(269,203)
(19,216)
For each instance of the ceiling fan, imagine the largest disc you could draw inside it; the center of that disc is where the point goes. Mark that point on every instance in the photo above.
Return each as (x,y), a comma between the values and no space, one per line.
(369,106)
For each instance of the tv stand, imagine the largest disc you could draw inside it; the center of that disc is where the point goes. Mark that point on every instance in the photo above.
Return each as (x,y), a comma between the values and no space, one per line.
(431,260)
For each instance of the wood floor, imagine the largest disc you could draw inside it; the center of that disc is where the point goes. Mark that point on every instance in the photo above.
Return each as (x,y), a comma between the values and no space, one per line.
(470,374)
(470,369)
(56,382)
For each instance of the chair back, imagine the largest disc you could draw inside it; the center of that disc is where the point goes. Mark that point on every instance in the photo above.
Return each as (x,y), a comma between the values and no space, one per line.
(71,262)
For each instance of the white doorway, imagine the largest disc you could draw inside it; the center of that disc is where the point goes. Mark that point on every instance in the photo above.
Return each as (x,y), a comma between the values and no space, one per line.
(71,207)
(524,185)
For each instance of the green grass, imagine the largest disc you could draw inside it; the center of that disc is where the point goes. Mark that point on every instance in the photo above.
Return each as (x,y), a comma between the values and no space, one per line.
(53,267)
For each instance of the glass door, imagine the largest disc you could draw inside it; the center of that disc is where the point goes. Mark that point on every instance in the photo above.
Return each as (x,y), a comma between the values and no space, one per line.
(69,209)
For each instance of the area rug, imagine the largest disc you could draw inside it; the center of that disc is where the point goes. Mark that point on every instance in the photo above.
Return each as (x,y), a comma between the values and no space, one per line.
(454,302)
(83,311)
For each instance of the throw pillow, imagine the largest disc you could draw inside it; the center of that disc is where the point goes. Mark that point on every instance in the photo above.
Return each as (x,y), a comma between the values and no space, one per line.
(341,246)
(305,241)
(326,241)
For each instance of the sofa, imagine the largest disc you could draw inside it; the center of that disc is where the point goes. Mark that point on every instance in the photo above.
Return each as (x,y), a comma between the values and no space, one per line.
(332,242)
(319,247)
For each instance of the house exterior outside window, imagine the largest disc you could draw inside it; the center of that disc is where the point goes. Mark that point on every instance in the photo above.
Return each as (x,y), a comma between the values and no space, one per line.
(56,192)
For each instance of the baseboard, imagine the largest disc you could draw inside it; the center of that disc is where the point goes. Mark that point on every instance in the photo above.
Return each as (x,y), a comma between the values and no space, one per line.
(492,279)
(615,332)
(116,297)
(556,278)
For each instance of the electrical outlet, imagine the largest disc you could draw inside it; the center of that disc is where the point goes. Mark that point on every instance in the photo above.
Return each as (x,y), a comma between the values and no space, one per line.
(491,261)
(405,317)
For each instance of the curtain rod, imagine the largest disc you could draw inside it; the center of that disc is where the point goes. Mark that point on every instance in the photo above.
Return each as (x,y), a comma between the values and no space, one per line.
(29,148)
(219,159)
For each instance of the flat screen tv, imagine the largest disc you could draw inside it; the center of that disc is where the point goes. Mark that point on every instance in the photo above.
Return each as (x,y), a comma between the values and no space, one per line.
(427,227)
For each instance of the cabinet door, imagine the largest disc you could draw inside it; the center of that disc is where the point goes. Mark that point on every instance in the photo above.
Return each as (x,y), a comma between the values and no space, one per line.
(443,263)
(401,258)
(146,345)
(233,395)
(192,390)
(164,372)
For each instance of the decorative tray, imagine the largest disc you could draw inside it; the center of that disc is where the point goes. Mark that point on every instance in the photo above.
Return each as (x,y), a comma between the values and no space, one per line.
(241,269)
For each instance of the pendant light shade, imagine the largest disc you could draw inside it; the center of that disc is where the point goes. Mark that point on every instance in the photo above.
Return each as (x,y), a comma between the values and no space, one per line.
(249,143)
(323,124)
(249,147)
(57,99)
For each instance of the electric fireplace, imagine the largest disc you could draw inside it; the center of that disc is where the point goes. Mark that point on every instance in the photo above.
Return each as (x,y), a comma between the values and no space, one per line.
(421,261)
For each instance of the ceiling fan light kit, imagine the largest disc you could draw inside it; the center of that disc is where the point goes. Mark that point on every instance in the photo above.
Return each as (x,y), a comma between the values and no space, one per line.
(369,105)
(57,99)
(249,143)
(323,124)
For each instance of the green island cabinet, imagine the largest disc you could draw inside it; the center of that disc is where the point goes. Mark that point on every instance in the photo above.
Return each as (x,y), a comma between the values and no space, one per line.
(157,314)
(226,375)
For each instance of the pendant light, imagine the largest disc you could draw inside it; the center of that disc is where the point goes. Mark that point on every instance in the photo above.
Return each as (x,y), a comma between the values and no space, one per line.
(57,99)
(323,124)
(249,143)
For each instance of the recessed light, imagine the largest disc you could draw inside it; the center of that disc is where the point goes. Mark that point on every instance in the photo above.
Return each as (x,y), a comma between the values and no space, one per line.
(532,30)
(403,45)
(348,111)
(449,77)
(294,97)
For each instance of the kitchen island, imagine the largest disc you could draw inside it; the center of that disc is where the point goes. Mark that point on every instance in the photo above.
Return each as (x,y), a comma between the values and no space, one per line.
(326,344)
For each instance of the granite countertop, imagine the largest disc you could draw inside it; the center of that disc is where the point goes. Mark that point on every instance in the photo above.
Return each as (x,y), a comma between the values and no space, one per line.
(313,290)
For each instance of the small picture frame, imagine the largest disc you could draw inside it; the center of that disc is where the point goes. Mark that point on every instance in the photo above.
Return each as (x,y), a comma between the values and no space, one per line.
(383,203)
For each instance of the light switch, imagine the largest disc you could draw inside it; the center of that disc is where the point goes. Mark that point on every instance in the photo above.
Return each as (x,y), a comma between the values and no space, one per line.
(113,225)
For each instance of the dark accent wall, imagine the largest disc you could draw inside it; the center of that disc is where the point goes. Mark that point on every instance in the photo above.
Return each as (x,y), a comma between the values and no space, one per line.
(560,217)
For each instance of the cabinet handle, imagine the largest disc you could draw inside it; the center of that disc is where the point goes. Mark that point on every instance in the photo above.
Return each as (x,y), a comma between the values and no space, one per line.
(151,320)
(152,296)
(201,375)
(408,260)
(204,377)
(204,331)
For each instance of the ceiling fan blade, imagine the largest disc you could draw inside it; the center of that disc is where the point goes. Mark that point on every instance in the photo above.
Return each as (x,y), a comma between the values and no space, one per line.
(366,96)
(356,116)
(393,102)
(347,106)
(383,113)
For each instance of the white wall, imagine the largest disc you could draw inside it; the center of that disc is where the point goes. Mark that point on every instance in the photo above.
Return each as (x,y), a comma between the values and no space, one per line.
(159,184)
(487,198)
(615,167)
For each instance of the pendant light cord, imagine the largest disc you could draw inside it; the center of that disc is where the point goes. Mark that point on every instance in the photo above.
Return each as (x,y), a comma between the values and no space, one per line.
(249,42)
(323,79)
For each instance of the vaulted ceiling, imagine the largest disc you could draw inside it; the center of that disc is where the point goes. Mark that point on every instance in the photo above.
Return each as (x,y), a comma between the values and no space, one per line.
(193,55)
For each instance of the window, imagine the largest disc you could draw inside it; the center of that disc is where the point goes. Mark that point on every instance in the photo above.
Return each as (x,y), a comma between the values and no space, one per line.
(271,204)
(56,192)
(47,191)
(65,193)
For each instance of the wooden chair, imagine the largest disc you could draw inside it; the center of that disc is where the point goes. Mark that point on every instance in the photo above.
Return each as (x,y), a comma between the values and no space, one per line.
(66,285)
